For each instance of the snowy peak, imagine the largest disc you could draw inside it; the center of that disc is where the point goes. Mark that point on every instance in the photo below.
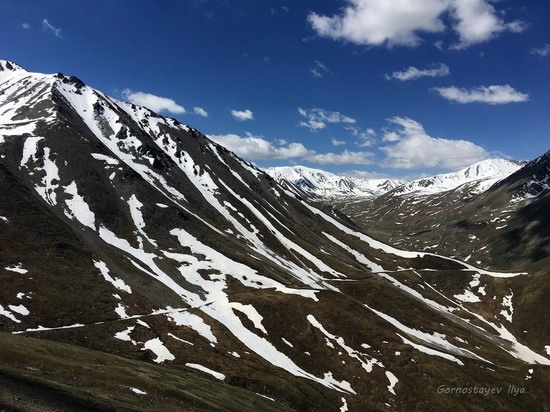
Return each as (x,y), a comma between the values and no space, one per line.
(9,70)
(6,65)
(316,182)
(489,168)
(479,177)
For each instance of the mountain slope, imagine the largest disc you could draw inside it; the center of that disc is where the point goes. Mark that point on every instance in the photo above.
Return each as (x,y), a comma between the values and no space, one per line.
(130,233)
(323,184)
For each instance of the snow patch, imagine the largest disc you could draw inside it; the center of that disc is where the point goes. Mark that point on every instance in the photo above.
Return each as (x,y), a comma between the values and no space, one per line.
(467,296)
(17,269)
(22,310)
(201,368)
(116,282)
(157,347)
(107,159)
(6,313)
(508,311)
(77,208)
(125,335)
(192,321)
(393,381)
(344,407)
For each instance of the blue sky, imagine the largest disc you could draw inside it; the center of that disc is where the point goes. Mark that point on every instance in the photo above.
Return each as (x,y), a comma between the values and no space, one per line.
(401,88)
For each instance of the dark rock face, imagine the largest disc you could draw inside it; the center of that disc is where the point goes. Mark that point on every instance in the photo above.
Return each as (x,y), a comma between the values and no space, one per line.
(129,233)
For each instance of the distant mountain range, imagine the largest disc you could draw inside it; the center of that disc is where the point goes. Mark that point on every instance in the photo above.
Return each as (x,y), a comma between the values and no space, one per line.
(319,183)
(145,267)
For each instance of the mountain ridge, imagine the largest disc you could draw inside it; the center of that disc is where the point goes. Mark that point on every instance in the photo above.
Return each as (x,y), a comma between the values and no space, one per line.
(478,177)
(317,182)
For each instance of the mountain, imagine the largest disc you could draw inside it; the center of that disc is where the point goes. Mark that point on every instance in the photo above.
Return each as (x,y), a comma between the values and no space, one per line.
(478,177)
(158,268)
(323,184)
(463,223)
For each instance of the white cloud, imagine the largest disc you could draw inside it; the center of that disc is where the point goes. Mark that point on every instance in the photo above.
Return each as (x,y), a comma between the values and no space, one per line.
(542,51)
(26,25)
(152,102)
(416,149)
(253,147)
(336,142)
(47,27)
(498,94)
(257,148)
(242,115)
(199,111)
(401,22)
(366,138)
(344,158)
(476,21)
(317,119)
(390,137)
(316,73)
(319,70)
(412,73)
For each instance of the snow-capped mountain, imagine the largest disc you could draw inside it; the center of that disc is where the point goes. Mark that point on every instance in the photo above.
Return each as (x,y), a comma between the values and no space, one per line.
(316,182)
(486,228)
(478,177)
(129,233)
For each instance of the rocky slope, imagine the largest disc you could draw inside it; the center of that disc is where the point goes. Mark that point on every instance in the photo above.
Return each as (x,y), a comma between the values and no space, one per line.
(129,233)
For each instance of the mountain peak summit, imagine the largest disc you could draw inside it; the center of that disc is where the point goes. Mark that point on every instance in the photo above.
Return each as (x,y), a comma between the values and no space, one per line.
(9,69)
(6,65)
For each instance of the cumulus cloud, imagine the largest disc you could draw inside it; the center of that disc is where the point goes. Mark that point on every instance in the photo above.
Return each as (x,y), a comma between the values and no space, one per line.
(257,148)
(253,147)
(542,51)
(242,115)
(47,27)
(152,102)
(199,111)
(414,148)
(336,142)
(344,158)
(26,25)
(498,94)
(412,73)
(318,119)
(319,70)
(401,22)
(477,21)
